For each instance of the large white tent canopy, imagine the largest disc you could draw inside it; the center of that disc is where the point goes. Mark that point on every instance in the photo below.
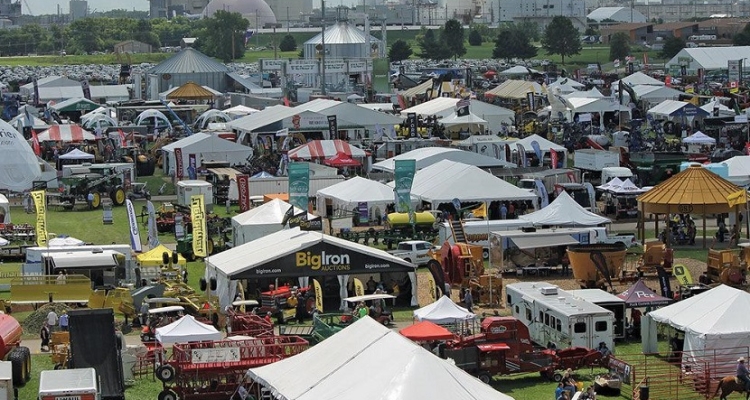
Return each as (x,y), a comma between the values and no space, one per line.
(715,104)
(676,108)
(367,361)
(564,211)
(65,133)
(427,156)
(710,321)
(443,311)
(187,329)
(655,94)
(4,210)
(205,147)
(77,154)
(446,106)
(347,195)
(19,167)
(699,138)
(738,170)
(261,221)
(469,121)
(447,180)
(638,78)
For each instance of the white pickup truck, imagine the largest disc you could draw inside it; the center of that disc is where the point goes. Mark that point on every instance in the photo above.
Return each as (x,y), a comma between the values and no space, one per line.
(413,251)
(602,236)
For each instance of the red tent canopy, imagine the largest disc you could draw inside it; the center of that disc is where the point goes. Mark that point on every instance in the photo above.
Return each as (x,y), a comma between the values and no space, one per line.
(426,331)
(341,160)
(639,295)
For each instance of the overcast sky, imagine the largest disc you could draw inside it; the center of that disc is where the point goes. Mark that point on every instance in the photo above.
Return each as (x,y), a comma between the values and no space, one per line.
(39,7)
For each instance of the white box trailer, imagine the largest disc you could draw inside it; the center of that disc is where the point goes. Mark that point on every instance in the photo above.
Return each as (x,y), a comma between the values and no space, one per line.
(609,302)
(189,188)
(69,384)
(7,392)
(556,316)
(263,186)
(595,160)
(35,256)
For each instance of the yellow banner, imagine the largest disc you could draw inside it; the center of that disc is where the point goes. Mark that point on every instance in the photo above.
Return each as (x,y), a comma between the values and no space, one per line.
(359,288)
(198,218)
(318,296)
(737,198)
(40,202)
(431,285)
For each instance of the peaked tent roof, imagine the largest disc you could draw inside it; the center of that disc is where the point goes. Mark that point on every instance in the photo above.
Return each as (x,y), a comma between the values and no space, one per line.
(187,329)
(518,70)
(739,167)
(342,33)
(76,104)
(418,90)
(469,119)
(639,78)
(696,186)
(710,58)
(342,160)
(640,295)
(19,166)
(654,93)
(278,250)
(352,115)
(626,187)
(216,143)
(443,311)
(76,154)
(544,144)
(715,103)
(65,133)
(427,156)
(188,61)
(445,180)
(359,189)
(269,213)
(699,138)
(676,108)
(320,149)
(191,91)
(711,312)
(426,331)
(515,89)
(333,369)
(564,211)
(615,182)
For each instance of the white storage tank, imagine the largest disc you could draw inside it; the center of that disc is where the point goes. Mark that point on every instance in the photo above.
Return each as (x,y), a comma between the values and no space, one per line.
(189,188)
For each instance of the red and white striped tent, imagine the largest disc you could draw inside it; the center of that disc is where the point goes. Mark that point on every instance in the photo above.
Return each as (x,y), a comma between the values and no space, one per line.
(322,149)
(65,133)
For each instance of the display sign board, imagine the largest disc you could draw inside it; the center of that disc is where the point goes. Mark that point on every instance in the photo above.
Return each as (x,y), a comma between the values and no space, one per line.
(272,65)
(215,355)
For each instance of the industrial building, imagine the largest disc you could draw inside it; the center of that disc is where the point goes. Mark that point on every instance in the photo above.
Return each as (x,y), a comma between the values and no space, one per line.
(170,8)
(257,12)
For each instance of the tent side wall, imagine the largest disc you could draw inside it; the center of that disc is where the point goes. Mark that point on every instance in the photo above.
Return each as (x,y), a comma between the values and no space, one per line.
(242,234)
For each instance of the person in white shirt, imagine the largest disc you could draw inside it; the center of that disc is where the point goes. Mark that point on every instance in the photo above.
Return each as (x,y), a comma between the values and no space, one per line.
(52,319)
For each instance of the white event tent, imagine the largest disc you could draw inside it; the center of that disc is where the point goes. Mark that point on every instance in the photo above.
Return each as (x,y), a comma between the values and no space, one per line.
(699,138)
(347,195)
(446,180)
(367,361)
(205,147)
(187,329)
(544,145)
(564,211)
(738,170)
(710,322)
(427,156)
(446,106)
(443,311)
(261,221)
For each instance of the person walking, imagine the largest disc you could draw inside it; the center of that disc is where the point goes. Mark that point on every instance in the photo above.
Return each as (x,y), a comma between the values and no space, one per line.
(44,336)
(90,200)
(503,211)
(468,299)
(64,321)
(51,319)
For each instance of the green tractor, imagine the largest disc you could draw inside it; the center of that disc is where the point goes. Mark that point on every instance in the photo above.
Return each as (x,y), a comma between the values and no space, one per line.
(77,188)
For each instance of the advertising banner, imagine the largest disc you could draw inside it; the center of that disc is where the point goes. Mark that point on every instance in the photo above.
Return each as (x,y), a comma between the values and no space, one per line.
(299,184)
(318,296)
(404,176)
(553,158)
(359,288)
(315,224)
(86,89)
(243,189)
(153,235)
(192,168)
(198,216)
(272,65)
(178,173)
(364,212)
(40,203)
(333,127)
(411,121)
(135,237)
(522,157)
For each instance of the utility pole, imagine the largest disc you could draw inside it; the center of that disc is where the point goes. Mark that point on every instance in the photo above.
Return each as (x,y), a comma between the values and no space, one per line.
(323,48)
(257,29)
(287,20)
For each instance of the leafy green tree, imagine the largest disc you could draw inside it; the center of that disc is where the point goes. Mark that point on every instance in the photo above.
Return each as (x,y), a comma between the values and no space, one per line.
(527,28)
(591,30)
(144,33)
(672,46)
(399,51)
(431,48)
(223,35)
(86,35)
(453,37)
(475,38)
(288,43)
(562,38)
(513,43)
(171,31)
(619,46)
(742,38)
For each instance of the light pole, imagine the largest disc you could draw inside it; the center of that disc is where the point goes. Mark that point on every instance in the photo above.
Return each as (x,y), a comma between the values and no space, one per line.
(323,48)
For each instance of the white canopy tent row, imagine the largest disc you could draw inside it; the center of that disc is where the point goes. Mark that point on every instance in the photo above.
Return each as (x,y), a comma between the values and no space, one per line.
(349,194)
(367,361)
(293,253)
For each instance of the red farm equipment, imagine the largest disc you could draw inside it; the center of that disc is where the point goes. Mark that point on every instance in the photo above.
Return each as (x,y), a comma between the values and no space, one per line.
(212,370)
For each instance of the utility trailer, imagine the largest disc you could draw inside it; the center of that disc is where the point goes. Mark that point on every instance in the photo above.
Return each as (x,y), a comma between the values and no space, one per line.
(212,370)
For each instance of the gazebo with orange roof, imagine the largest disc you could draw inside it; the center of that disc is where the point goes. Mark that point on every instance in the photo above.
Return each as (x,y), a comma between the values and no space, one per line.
(696,190)
(190,91)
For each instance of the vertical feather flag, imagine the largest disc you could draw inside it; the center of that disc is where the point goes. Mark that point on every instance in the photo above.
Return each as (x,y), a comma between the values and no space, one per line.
(359,288)
(40,203)
(318,296)
(35,143)
(135,236)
